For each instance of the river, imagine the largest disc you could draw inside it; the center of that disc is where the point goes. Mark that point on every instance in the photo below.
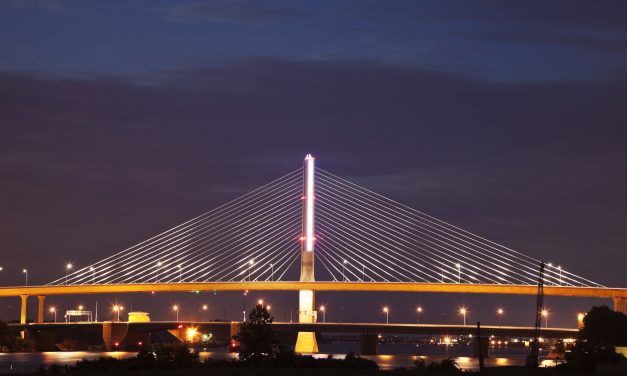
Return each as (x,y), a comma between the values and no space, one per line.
(391,356)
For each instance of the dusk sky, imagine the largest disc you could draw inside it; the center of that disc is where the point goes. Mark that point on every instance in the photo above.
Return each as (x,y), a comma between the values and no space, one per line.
(119,120)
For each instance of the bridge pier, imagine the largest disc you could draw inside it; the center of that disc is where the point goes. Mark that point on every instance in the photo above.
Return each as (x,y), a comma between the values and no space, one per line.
(40,311)
(23,313)
(368,344)
(307,313)
(114,334)
(620,305)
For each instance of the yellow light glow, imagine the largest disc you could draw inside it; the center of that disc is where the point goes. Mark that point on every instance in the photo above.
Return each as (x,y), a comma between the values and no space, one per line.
(191,333)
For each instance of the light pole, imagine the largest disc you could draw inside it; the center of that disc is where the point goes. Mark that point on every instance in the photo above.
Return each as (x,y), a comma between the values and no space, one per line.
(459,272)
(68,267)
(159,263)
(175,308)
(418,312)
(54,312)
(545,314)
(363,273)
(271,272)
(180,273)
(25,271)
(93,275)
(463,312)
(250,265)
(386,310)
(323,309)
(344,270)
(559,268)
(500,312)
(117,309)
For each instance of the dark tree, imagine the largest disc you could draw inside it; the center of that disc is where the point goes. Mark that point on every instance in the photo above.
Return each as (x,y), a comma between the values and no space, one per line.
(603,330)
(257,337)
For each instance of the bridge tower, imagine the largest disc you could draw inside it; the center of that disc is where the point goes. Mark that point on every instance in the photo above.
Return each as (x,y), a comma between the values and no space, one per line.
(306,341)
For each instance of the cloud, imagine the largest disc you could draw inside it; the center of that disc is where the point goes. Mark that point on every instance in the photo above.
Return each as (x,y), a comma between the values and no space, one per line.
(232,11)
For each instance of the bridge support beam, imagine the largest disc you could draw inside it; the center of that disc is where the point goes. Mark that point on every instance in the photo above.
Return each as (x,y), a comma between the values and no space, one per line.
(620,305)
(23,312)
(40,310)
(114,334)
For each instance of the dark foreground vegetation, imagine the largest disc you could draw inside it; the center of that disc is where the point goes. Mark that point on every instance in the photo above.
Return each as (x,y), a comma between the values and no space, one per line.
(261,355)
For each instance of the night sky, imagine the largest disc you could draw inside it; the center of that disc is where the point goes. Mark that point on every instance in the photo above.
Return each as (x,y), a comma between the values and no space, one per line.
(119,120)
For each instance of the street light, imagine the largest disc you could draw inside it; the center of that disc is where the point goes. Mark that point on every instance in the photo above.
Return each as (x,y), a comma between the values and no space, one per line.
(500,311)
(54,312)
(68,267)
(25,271)
(175,308)
(323,309)
(545,314)
(117,309)
(386,310)
(344,270)
(463,311)
(80,307)
(271,272)
(159,263)
(459,272)
(93,275)
(418,312)
(180,271)
(559,267)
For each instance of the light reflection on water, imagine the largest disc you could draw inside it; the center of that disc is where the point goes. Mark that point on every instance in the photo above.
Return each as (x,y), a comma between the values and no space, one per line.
(392,356)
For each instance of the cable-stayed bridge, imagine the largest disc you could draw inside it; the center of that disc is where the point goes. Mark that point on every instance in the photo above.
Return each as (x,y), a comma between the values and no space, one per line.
(276,236)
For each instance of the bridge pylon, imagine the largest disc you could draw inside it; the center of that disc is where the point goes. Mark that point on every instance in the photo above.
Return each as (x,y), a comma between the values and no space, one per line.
(306,341)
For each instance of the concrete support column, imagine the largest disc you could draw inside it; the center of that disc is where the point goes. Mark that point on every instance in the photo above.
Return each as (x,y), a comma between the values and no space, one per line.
(620,305)
(40,311)
(23,312)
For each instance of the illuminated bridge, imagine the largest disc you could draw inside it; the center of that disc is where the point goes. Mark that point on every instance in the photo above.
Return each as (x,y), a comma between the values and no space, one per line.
(363,241)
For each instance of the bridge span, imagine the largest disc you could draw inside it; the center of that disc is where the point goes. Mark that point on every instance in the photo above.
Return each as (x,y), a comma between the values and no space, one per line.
(618,295)
(125,333)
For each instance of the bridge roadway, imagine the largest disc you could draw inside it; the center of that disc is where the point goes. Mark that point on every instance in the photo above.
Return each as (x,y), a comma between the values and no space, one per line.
(596,292)
(618,295)
(329,327)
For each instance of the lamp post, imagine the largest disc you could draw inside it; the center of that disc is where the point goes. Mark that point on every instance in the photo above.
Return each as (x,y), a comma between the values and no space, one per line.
(117,309)
(159,263)
(175,308)
(545,314)
(459,272)
(93,275)
(53,311)
(68,267)
(271,272)
(323,309)
(386,310)
(180,272)
(463,312)
(25,272)
(344,270)
(559,268)
(418,312)
(500,312)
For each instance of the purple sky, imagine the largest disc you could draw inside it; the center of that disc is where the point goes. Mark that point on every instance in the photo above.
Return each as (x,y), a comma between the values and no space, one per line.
(119,120)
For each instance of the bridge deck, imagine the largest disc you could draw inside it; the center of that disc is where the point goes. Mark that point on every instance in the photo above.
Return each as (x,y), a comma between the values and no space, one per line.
(596,292)
(329,327)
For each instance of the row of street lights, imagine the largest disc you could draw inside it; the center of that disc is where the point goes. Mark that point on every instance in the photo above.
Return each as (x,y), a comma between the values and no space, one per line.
(463,311)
